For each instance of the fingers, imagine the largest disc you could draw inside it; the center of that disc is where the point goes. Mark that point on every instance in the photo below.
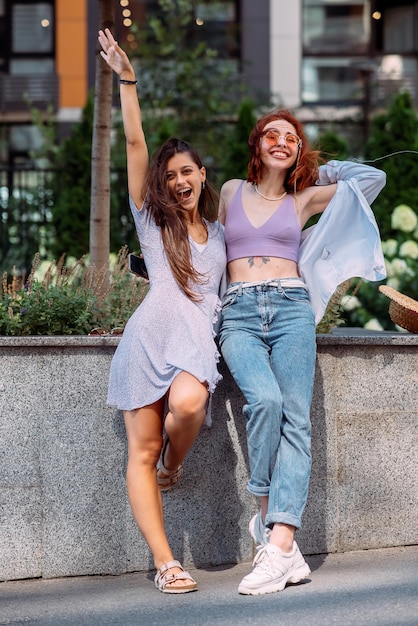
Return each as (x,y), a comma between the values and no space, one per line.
(114,56)
(109,35)
(106,40)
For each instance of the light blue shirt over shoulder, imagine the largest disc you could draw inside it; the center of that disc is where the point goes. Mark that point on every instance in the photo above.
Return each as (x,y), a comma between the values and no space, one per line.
(345,243)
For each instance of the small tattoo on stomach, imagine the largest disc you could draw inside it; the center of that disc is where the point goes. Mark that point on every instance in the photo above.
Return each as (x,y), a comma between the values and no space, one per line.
(258,261)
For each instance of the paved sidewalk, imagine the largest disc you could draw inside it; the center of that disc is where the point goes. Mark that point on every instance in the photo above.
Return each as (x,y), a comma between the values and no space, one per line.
(367,588)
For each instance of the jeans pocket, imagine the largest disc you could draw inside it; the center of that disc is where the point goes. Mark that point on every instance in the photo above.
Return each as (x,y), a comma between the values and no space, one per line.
(229,299)
(296,295)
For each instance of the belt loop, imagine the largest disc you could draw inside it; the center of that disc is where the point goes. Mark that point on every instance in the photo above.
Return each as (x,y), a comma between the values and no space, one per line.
(279,285)
(239,290)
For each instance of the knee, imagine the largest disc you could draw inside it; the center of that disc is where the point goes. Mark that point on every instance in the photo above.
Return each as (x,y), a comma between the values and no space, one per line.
(145,452)
(189,408)
(266,401)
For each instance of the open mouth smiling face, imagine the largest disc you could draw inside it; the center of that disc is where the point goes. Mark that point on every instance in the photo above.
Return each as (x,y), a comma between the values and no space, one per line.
(184,194)
(279,140)
(185,179)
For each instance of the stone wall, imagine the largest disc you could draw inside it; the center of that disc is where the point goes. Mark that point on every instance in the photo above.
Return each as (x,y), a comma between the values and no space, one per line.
(63,503)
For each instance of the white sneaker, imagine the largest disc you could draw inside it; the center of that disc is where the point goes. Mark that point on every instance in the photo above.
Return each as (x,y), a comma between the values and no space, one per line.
(258,531)
(273,569)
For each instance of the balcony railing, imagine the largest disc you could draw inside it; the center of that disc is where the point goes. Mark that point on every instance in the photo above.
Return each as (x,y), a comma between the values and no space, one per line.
(386,86)
(19,93)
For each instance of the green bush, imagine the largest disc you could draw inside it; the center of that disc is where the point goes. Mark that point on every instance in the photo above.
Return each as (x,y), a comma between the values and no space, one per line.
(67,301)
(367,306)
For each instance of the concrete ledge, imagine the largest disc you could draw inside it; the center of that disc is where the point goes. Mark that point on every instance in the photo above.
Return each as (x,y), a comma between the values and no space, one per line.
(63,504)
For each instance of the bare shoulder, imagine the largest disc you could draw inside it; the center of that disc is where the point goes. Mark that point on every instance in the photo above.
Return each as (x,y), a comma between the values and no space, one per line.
(229,188)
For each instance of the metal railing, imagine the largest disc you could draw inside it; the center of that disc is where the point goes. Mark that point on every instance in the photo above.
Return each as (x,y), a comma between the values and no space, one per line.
(28,195)
(26,199)
(19,93)
(386,86)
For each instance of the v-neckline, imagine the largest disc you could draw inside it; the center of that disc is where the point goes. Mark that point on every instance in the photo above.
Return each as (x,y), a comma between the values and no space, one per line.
(268,219)
(200,247)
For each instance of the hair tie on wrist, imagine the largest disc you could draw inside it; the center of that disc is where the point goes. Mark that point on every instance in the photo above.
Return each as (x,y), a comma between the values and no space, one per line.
(127,82)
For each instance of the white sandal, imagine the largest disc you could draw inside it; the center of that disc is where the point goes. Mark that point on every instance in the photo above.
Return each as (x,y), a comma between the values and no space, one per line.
(166,478)
(163,579)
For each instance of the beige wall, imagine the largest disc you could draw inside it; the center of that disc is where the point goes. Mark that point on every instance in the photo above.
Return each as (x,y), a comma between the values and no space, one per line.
(285,51)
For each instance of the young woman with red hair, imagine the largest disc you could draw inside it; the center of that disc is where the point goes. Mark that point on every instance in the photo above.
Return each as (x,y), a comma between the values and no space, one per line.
(279,286)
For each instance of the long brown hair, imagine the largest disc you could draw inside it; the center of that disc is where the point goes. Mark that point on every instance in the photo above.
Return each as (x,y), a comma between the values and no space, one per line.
(303,173)
(171,217)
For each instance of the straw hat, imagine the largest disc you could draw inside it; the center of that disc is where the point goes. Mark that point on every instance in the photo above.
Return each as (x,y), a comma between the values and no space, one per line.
(403,310)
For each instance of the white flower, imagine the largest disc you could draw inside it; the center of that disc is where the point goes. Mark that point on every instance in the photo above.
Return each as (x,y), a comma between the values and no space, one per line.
(394,282)
(389,247)
(399,267)
(373,324)
(404,218)
(349,303)
(389,271)
(409,249)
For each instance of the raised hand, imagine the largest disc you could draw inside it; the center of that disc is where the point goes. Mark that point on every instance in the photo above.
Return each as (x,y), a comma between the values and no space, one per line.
(114,56)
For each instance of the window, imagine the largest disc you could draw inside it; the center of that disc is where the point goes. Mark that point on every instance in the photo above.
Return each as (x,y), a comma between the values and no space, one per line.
(29,60)
(32,28)
(30,67)
(398,29)
(216,23)
(331,81)
(4,40)
(336,45)
(336,27)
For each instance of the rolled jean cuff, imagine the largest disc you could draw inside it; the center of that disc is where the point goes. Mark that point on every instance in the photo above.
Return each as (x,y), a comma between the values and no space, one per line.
(283,518)
(258,491)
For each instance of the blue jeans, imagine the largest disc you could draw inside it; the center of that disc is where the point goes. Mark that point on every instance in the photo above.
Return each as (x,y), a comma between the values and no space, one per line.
(267,338)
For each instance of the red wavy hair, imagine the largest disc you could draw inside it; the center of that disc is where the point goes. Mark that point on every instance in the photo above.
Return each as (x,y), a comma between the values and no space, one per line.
(303,173)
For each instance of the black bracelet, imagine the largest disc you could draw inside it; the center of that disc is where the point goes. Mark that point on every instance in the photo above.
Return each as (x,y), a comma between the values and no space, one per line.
(128,82)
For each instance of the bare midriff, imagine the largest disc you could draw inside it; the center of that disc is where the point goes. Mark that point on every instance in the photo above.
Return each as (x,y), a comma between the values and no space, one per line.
(251,269)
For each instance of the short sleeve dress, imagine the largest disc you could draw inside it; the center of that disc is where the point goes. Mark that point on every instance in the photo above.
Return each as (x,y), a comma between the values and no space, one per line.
(168,333)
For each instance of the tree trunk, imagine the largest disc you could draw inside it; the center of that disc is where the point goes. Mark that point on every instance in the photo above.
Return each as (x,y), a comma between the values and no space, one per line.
(100,155)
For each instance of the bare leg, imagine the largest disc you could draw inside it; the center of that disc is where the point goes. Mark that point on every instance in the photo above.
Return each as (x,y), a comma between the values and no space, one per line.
(143,429)
(187,402)
(282,535)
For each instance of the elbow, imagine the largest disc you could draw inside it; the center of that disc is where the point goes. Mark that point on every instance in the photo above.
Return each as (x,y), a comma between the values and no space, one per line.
(133,142)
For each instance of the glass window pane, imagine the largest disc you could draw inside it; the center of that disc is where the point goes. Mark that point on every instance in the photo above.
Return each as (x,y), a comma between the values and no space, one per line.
(398,32)
(29,67)
(215,24)
(25,138)
(325,2)
(336,28)
(4,42)
(330,81)
(216,11)
(396,73)
(32,28)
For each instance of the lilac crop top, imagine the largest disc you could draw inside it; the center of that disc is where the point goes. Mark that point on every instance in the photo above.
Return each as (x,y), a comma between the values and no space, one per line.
(279,236)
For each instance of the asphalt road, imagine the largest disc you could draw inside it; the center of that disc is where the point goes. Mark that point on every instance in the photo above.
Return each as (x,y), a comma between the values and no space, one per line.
(366,588)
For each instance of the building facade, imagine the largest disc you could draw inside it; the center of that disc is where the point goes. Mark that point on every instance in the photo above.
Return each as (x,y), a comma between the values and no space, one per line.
(333,62)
